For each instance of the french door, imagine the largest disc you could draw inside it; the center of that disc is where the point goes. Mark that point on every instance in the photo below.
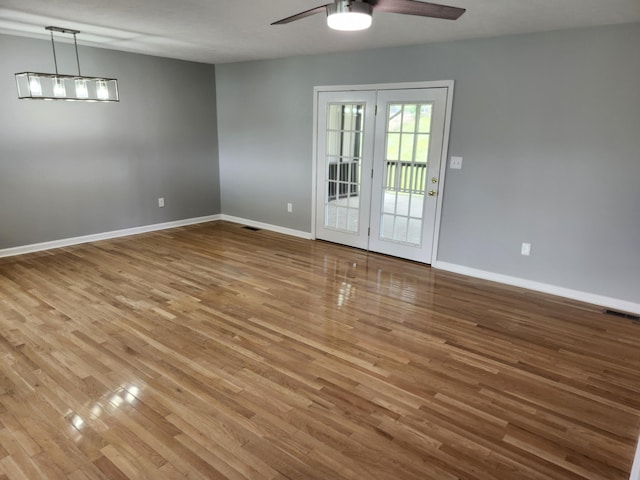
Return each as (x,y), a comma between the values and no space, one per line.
(378,169)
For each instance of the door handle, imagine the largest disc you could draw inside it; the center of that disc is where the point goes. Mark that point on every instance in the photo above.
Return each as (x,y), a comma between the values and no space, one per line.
(432,193)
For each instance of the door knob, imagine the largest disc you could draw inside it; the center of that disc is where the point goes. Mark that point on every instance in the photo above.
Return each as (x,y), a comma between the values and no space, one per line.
(432,193)
(434,180)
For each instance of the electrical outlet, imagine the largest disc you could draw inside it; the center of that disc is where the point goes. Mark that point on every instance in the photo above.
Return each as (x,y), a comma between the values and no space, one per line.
(161,202)
(289,207)
(526,249)
(456,163)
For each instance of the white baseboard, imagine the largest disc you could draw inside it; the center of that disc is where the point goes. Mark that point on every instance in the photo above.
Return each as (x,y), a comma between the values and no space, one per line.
(267,226)
(608,302)
(635,469)
(66,242)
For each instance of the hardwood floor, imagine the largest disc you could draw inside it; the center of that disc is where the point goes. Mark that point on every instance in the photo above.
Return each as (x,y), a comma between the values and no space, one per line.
(212,351)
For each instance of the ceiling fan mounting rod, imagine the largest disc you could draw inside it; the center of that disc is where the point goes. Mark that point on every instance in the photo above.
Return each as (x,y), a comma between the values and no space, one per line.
(350,6)
(350,3)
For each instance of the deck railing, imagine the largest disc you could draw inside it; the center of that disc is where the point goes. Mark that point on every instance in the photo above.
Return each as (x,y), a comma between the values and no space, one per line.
(343,179)
(407,177)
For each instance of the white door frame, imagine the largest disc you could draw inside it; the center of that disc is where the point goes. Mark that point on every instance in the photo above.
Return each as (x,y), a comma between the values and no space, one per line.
(448,84)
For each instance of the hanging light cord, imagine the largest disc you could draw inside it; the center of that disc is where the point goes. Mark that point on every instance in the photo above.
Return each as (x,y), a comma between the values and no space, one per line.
(75,42)
(55,60)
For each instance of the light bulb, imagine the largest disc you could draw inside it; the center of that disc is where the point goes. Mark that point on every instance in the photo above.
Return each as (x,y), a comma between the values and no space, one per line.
(349,21)
(81,89)
(101,90)
(59,89)
(35,87)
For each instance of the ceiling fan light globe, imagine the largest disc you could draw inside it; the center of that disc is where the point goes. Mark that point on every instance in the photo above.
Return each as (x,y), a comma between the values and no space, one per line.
(349,22)
(348,15)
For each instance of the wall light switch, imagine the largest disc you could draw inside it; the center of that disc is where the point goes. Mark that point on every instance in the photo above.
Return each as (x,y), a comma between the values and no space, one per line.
(526,249)
(456,163)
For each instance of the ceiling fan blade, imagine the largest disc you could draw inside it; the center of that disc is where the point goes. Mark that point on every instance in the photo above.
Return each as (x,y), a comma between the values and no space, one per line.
(414,7)
(300,15)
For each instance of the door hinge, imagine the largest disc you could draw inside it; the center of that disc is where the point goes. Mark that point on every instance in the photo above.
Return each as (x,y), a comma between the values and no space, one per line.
(369,232)
(375,111)
(372,173)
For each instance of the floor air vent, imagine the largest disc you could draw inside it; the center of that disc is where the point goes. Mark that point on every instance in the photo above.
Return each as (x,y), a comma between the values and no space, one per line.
(628,316)
(253,229)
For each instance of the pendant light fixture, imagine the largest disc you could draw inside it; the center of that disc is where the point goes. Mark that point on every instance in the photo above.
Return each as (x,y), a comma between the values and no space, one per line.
(55,86)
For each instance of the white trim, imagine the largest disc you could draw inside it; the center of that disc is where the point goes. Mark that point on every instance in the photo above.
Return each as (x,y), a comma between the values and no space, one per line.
(67,242)
(443,169)
(635,469)
(314,162)
(601,300)
(384,86)
(267,226)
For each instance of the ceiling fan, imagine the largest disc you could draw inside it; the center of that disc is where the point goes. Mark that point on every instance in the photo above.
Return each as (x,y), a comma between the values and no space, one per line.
(356,14)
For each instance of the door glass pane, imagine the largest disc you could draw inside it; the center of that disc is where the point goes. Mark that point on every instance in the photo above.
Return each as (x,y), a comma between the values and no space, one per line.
(422,148)
(387,226)
(343,160)
(333,143)
(395,118)
(342,222)
(425,118)
(414,234)
(402,204)
(331,215)
(417,205)
(393,146)
(406,149)
(407,157)
(409,118)
(400,229)
(389,204)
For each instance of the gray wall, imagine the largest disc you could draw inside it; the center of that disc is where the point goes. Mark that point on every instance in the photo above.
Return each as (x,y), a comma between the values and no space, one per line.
(548,125)
(69,169)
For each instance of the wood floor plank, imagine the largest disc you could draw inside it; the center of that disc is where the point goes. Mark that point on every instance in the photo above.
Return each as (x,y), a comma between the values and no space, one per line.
(215,352)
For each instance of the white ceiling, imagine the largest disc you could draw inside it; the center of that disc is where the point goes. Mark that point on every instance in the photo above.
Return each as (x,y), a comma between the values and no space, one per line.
(222,31)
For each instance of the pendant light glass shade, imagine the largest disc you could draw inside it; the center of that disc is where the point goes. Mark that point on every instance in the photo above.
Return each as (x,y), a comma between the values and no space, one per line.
(59,89)
(348,15)
(55,86)
(102,90)
(35,87)
(81,89)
